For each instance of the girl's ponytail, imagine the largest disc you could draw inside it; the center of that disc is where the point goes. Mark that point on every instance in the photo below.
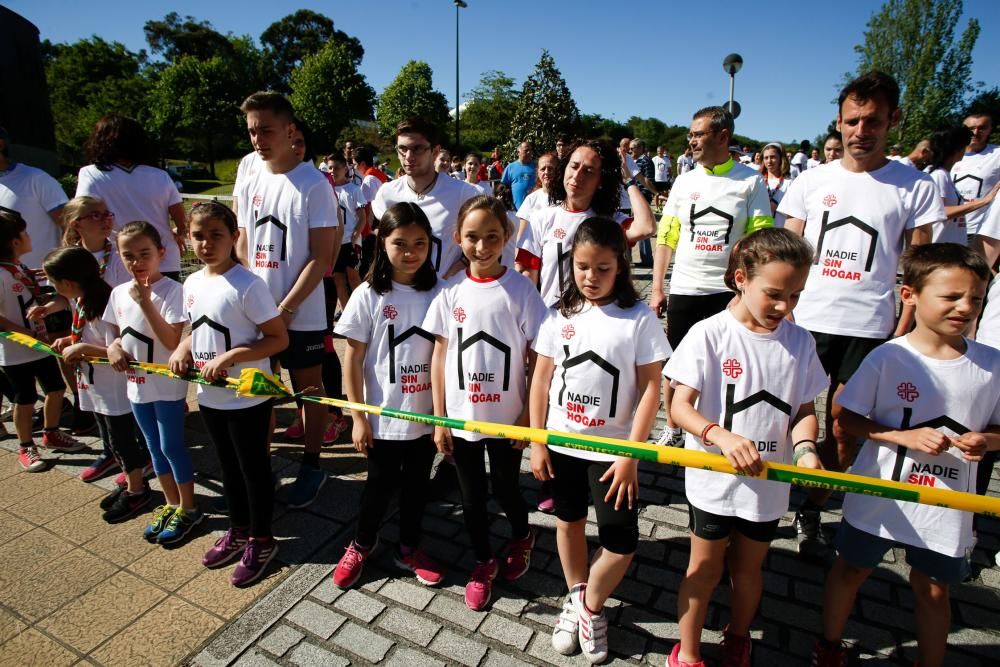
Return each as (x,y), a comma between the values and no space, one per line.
(77,264)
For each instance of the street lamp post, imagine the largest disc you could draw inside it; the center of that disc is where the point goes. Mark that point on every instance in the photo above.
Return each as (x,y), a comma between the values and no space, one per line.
(731,64)
(459,4)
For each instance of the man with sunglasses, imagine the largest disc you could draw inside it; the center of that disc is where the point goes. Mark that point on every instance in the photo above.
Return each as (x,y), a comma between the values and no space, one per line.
(37,197)
(438,196)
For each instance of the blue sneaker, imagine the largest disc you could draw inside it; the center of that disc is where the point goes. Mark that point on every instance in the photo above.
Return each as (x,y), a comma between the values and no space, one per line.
(306,487)
(180,524)
(161,517)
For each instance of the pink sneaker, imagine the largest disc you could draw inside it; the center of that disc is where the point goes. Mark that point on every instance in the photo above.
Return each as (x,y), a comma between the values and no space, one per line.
(296,431)
(226,548)
(30,459)
(60,441)
(479,590)
(427,571)
(350,565)
(338,424)
(673,660)
(518,558)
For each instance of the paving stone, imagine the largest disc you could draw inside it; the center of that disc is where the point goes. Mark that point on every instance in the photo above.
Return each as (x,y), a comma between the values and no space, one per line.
(790,613)
(409,626)
(359,605)
(506,631)
(310,655)
(406,593)
(363,642)
(509,604)
(407,657)
(326,591)
(460,649)
(496,659)
(455,611)
(315,618)
(626,643)
(254,658)
(280,640)
(541,648)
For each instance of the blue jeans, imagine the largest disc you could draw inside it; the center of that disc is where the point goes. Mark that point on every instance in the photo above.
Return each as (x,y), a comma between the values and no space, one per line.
(162,424)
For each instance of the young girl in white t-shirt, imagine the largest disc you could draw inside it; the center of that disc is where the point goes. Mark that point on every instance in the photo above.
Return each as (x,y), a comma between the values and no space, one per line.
(483,320)
(234,325)
(147,316)
(387,363)
(597,372)
(75,274)
(744,383)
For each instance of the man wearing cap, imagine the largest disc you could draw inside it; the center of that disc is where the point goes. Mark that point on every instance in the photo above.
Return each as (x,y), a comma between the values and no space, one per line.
(37,197)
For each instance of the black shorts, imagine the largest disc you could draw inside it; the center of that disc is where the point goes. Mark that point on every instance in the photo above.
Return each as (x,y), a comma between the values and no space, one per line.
(842,355)
(618,530)
(305,350)
(662,186)
(347,258)
(710,526)
(686,310)
(22,379)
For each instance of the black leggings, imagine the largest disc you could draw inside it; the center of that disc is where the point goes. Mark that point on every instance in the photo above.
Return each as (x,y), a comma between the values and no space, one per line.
(120,434)
(240,438)
(332,377)
(505,470)
(403,465)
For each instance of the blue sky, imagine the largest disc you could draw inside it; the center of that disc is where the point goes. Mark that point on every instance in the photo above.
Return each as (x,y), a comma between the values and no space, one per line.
(620,58)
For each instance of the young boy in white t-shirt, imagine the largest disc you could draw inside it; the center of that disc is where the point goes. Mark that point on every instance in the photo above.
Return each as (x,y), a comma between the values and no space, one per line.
(927,407)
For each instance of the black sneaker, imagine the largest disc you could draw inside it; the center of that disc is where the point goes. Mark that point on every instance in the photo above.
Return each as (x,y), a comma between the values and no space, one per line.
(814,544)
(109,500)
(127,506)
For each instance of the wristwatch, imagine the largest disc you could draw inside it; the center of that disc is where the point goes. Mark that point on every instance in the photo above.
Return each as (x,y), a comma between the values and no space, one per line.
(630,182)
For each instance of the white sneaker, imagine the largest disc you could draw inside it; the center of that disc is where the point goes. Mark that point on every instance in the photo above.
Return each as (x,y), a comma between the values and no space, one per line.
(671,437)
(564,636)
(593,630)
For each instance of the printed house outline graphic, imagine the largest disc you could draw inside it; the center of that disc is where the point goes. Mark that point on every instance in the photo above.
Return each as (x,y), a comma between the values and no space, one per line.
(706,211)
(270,219)
(601,363)
(734,407)
(826,226)
(463,345)
(146,340)
(394,342)
(936,422)
(979,183)
(204,319)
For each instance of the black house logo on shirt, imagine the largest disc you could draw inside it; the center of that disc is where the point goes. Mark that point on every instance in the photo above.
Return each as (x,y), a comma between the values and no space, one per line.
(394,342)
(592,357)
(142,339)
(944,421)
(972,177)
(204,320)
(484,337)
(282,227)
(734,407)
(709,211)
(826,225)
(436,252)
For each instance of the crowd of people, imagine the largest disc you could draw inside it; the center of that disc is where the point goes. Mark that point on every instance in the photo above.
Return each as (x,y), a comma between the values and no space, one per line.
(513,302)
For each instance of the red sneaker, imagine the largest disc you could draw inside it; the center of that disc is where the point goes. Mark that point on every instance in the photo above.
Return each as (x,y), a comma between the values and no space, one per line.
(30,459)
(350,565)
(60,441)
(518,558)
(829,656)
(296,431)
(479,590)
(427,571)
(735,650)
(338,424)
(674,660)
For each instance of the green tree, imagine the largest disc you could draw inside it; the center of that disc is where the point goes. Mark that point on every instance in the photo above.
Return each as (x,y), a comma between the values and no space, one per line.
(915,41)
(489,111)
(174,37)
(88,79)
(288,41)
(544,110)
(411,93)
(329,93)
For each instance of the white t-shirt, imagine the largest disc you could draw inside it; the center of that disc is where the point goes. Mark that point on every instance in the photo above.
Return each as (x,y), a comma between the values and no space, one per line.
(799,164)
(141,342)
(596,352)
(974,176)
(857,224)
(988,332)
(277,212)
(812,162)
(714,211)
(15,301)
(898,387)
(953,230)
(225,312)
(350,200)
(115,272)
(633,169)
(140,192)
(397,365)
(685,163)
(369,188)
(661,169)
(549,237)
(249,163)
(752,384)
(440,205)
(489,326)
(777,187)
(536,199)
(34,194)
(102,388)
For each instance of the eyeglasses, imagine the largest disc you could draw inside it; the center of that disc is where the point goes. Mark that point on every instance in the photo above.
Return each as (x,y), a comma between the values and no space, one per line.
(698,135)
(98,215)
(413,150)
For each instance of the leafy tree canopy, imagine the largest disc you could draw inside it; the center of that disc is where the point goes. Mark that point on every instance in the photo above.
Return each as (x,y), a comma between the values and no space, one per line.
(411,93)
(288,41)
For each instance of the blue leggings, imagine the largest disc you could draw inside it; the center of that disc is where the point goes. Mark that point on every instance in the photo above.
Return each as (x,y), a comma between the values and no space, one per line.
(162,424)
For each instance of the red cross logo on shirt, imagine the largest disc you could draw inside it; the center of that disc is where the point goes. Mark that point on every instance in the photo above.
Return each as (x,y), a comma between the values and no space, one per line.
(190,300)
(390,312)
(257,201)
(18,288)
(732,368)
(559,233)
(568,331)
(459,314)
(907,391)
(830,201)
(695,196)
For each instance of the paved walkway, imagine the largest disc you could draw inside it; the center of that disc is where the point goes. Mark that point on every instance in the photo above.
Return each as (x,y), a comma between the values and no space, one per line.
(75,591)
